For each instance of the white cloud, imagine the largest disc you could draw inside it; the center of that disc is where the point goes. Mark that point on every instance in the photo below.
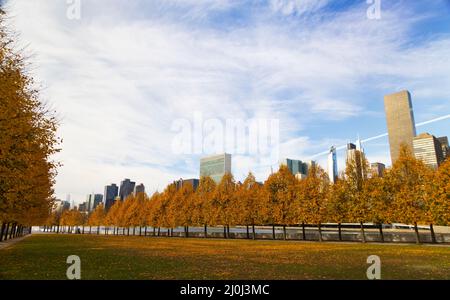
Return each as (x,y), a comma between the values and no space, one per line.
(298,7)
(123,73)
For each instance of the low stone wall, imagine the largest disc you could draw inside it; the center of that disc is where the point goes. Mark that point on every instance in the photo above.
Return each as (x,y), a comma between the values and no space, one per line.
(312,234)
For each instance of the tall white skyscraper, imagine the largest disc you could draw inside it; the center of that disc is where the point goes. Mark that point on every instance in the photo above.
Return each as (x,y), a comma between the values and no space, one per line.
(332,165)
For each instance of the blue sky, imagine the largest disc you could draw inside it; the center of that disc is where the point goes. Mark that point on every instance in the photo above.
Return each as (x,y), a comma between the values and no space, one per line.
(126,70)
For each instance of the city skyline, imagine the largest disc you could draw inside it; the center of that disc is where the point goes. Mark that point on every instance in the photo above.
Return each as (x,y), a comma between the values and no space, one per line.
(323,94)
(219,164)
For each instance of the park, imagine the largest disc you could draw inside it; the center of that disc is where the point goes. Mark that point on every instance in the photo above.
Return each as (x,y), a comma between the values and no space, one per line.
(43,256)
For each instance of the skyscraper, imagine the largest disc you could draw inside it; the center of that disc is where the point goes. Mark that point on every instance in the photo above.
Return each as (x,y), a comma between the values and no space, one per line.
(92,201)
(428,149)
(111,192)
(140,188)
(126,188)
(298,168)
(193,182)
(376,169)
(400,122)
(356,158)
(332,165)
(445,147)
(215,166)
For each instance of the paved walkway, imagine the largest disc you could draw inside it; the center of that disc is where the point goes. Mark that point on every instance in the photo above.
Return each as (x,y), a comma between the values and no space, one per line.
(10,242)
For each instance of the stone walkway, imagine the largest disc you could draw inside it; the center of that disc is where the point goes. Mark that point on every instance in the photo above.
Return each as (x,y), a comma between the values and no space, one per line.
(10,242)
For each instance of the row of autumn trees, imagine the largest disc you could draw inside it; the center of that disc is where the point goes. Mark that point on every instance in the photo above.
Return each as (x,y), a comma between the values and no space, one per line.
(408,193)
(27,142)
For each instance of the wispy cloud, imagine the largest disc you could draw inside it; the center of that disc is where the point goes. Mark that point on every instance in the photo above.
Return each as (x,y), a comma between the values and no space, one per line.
(123,73)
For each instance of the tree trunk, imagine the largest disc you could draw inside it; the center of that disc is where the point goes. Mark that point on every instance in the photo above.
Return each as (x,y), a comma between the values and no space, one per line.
(98,230)
(134,230)
(187,231)
(206,231)
(362,232)
(128,230)
(248,233)
(340,231)
(254,233)
(168,232)
(303,231)
(284,232)
(145,230)
(228,231)
(433,236)
(8,225)
(57,229)
(381,232)
(320,232)
(154,231)
(224,231)
(140,230)
(12,231)
(83,230)
(159,231)
(273,232)
(2,231)
(416,229)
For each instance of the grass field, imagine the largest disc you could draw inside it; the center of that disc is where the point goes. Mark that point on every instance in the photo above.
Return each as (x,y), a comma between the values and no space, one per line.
(116,257)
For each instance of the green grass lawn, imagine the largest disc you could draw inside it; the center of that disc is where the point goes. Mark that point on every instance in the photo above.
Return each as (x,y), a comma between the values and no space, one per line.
(117,257)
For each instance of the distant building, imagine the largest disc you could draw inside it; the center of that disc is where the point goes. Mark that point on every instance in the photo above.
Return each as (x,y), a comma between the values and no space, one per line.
(355,156)
(82,207)
(193,182)
(92,201)
(400,122)
(215,166)
(298,168)
(428,149)
(377,169)
(445,147)
(111,192)
(140,188)
(332,165)
(126,188)
(59,206)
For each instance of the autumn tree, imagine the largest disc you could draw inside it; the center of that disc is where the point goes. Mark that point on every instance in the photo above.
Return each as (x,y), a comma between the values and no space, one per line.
(280,193)
(152,210)
(115,216)
(72,218)
(379,203)
(313,197)
(438,197)
(248,206)
(223,201)
(164,219)
(97,217)
(355,181)
(338,205)
(202,203)
(180,208)
(27,140)
(406,184)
